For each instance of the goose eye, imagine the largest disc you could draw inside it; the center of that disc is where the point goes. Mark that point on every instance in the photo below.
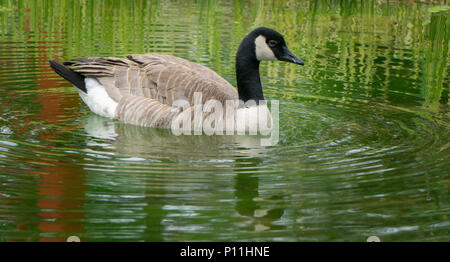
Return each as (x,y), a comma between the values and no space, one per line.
(272,43)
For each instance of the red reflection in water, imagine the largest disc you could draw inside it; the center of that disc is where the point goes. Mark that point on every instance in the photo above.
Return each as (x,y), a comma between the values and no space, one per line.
(62,186)
(62,198)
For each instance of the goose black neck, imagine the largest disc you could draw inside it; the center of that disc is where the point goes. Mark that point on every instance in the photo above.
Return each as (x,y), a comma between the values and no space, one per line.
(247,71)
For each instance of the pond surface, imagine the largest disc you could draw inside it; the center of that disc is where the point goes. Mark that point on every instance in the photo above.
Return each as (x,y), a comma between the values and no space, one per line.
(364,126)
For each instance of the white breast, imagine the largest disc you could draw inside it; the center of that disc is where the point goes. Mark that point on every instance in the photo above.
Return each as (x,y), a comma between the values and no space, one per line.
(254,120)
(211,118)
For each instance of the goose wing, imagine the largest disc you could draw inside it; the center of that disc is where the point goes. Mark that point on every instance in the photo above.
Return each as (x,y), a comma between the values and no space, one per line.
(164,78)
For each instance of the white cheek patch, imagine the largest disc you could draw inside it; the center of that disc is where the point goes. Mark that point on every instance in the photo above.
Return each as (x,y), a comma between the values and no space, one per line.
(263,51)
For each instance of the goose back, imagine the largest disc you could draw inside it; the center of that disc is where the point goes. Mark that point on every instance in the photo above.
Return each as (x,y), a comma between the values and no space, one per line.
(161,77)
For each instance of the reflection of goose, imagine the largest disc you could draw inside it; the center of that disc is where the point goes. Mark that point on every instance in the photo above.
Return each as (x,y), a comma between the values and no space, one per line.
(136,141)
(142,88)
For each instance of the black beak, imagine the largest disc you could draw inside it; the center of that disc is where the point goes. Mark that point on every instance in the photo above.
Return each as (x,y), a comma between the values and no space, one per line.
(288,56)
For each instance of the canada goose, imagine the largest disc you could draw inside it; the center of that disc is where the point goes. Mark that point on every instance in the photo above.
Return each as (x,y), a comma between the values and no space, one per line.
(143,89)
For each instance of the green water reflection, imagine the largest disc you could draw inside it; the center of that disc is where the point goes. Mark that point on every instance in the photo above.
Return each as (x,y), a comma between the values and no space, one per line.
(364,126)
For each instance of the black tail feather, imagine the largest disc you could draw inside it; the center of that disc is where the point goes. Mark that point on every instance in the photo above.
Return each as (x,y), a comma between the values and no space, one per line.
(65,72)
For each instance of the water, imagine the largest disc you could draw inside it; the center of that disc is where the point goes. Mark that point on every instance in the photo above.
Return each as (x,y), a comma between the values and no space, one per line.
(364,126)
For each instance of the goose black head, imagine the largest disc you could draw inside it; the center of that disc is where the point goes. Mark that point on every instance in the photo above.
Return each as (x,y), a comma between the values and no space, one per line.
(260,44)
(270,45)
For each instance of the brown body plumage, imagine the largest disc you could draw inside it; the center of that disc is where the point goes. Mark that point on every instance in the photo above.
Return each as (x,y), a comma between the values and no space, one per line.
(146,85)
